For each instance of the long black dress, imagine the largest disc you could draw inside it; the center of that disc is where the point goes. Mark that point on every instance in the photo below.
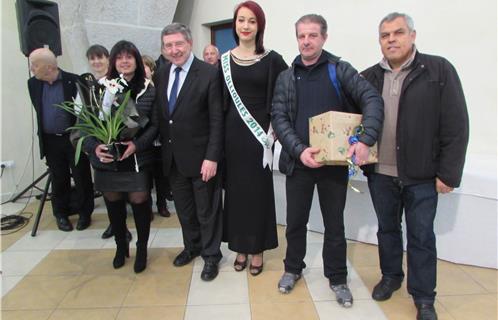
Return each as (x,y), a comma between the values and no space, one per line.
(249,206)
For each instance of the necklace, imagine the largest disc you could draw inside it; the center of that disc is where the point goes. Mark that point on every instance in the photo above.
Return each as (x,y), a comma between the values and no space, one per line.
(248,62)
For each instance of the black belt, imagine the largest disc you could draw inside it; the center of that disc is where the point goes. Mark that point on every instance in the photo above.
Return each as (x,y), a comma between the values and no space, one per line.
(56,134)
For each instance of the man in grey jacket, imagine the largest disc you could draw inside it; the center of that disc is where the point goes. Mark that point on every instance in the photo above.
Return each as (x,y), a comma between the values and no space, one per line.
(303,91)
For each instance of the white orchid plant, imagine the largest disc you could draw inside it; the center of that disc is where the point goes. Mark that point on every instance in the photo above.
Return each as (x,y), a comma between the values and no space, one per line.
(95,119)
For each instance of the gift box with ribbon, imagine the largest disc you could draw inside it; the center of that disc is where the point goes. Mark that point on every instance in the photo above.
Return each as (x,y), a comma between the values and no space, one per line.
(330,132)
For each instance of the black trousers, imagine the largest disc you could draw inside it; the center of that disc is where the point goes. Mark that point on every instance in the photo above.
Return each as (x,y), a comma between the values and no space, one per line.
(198,205)
(161,181)
(60,159)
(331,182)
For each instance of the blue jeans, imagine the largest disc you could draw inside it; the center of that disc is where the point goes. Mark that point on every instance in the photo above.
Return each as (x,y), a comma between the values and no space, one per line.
(419,201)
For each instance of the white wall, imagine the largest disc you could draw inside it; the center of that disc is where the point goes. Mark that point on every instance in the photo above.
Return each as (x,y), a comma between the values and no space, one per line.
(82,23)
(463,31)
(18,142)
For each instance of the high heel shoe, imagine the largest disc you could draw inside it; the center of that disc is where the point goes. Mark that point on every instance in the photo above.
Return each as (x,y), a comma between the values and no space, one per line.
(240,265)
(122,251)
(140,259)
(255,270)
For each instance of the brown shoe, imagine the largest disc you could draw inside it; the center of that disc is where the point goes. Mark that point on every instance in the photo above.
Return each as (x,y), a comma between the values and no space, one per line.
(255,270)
(239,265)
(163,212)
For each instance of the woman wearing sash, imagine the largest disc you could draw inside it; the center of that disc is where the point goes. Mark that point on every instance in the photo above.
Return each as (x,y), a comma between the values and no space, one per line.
(250,73)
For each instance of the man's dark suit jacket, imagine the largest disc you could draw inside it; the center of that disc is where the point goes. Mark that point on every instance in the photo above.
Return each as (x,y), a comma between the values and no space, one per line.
(35,87)
(194,131)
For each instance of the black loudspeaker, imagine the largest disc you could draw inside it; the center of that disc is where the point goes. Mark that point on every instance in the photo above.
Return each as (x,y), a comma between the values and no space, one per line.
(38,25)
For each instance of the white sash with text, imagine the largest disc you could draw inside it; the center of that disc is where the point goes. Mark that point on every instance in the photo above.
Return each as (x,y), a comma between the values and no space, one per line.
(265,139)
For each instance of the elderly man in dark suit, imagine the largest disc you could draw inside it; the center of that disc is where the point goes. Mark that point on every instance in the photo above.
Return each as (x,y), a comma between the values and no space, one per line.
(49,87)
(189,111)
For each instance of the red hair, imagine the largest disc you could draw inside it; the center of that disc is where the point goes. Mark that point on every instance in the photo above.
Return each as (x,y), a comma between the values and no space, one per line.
(260,19)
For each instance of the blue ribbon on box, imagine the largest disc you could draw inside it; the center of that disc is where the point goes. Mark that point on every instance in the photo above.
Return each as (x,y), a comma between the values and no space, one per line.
(352,166)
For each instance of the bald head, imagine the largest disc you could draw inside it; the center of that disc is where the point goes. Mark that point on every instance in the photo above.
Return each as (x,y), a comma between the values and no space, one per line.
(43,55)
(43,64)
(211,54)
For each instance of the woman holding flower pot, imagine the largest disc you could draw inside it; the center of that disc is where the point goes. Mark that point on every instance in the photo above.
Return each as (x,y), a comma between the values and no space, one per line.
(126,108)
(98,61)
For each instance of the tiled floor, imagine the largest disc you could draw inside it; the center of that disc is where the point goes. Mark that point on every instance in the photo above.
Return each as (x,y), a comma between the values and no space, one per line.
(58,275)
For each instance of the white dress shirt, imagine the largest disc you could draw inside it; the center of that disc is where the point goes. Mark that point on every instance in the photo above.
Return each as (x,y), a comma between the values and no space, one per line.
(183,74)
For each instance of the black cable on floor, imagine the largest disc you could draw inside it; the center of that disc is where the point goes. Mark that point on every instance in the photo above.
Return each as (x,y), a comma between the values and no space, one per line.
(14,222)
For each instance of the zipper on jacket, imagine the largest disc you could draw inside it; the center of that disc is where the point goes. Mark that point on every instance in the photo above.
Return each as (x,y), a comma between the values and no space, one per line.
(291,114)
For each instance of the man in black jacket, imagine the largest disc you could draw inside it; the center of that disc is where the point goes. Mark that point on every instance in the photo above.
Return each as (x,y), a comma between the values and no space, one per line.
(49,87)
(189,111)
(303,91)
(421,153)
(161,60)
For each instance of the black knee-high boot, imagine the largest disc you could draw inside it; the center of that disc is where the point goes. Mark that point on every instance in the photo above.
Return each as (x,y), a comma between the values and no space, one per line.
(141,213)
(116,210)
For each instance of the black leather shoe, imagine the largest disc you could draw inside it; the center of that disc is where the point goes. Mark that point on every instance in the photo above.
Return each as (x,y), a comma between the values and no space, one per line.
(385,288)
(163,212)
(426,311)
(64,224)
(184,258)
(108,232)
(169,196)
(83,223)
(210,271)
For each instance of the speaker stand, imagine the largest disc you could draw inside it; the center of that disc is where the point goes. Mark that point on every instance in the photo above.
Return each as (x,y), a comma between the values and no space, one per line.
(43,197)
(41,205)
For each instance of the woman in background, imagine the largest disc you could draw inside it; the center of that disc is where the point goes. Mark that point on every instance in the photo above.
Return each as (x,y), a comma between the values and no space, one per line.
(98,60)
(163,190)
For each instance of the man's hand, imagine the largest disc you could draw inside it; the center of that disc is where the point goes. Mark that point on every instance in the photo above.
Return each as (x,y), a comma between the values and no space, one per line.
(130,149)
(360,150)
(308,157)
(208,170)
(441,187)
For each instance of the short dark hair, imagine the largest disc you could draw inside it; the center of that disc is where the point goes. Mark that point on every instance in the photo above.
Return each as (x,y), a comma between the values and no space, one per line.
(137,83)
(260,19)
(313,18)
(97,50)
